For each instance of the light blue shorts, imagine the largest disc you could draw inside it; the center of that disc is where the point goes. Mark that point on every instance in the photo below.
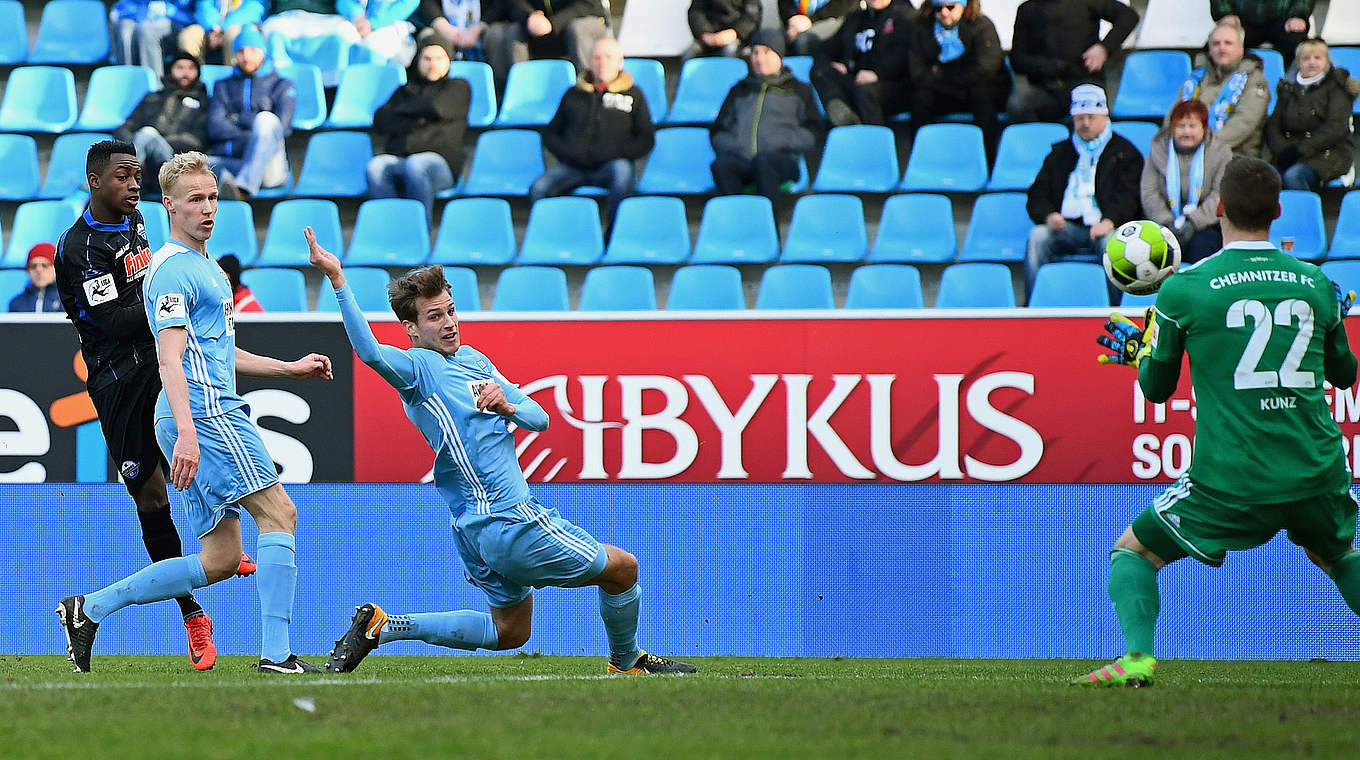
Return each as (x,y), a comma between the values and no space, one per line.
(510,552)
(232,464)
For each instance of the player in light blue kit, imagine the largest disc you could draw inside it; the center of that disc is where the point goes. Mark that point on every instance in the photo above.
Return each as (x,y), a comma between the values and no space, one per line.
(217,459)
(509,542)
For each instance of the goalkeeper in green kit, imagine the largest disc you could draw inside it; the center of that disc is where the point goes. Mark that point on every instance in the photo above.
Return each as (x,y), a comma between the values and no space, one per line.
(1263,330)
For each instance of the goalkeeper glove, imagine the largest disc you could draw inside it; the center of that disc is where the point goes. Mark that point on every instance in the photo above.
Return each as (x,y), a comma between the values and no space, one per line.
(1129,343)
(1345,298)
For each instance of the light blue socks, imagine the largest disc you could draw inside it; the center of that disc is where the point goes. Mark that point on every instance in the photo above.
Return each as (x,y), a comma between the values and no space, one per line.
(167,579)
(620,615)
(276,581)
(463,629)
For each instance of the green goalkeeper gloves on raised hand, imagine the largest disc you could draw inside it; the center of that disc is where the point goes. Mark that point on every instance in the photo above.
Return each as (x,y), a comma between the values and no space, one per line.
(1129,342)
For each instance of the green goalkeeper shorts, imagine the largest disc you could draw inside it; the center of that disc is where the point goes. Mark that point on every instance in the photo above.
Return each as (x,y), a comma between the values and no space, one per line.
(1189,520)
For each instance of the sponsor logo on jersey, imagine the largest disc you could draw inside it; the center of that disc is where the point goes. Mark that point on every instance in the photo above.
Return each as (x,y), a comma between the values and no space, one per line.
(476,386)
(100,290)
(129,470)
(135,263)
(169,306)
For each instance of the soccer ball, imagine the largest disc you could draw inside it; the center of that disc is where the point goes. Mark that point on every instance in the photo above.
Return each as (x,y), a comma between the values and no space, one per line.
(1140,256)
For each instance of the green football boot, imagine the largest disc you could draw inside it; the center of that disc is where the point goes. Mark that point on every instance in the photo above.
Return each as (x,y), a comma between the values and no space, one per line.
(1134,670)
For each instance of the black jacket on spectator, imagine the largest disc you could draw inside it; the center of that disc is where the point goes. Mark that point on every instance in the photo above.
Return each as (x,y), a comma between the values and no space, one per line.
(559,12)
(1316,122)
(981,65)
(885,52)
(492,11)
(760,114)
(1262,11)
(426,116)
(592,128)
(833,9)
(1051,35)
(709,16)
(178,114)
(1119,174)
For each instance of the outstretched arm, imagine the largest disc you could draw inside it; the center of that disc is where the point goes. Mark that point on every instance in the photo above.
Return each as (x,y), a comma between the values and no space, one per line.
(311,365)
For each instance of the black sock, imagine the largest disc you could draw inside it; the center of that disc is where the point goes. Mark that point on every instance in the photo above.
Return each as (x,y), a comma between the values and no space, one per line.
(162,542)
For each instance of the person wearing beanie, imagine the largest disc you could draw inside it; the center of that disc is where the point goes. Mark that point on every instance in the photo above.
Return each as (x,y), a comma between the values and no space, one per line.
(249,118)
(866,77)
(1231,82)
(168,121)
(142,29)
(216,24)
(40,295)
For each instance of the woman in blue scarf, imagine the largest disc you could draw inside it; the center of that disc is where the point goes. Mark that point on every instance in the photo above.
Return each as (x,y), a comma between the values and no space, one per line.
(1179,187)
(957,65)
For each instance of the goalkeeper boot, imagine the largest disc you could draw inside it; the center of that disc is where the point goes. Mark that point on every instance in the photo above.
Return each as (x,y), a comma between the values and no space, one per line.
(246,566)
(650,663)
(290,666)
(202,651)
(1134,670)
(79,631)
(358,641)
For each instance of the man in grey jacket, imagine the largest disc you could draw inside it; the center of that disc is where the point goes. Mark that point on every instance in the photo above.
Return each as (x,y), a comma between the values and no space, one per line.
(1229,80)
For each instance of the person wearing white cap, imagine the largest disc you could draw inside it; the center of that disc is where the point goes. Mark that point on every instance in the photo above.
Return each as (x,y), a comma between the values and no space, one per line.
(1088,186)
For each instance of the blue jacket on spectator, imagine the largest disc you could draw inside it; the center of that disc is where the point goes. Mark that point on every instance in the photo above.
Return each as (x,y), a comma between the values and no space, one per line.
(380,13)
(180,11)
(235,102)
(224,14)
(32,299)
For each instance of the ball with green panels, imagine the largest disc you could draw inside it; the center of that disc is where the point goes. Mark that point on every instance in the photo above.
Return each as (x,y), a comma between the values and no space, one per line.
(1140,256)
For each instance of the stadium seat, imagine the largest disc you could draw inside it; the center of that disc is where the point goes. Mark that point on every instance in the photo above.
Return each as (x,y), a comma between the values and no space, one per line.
(737,229)
(482,109)
(947,157)
(1348,58)
(327,52)
(917,227)
(531,289)
(857,159)
(19,156)
(12,283)
(14,42)
(1140,133)
(1175,24)
(72,31)
(998,229)
(475,231)
(212,73)
(368,284)
(1140,302)
(1301,219)
(1344,273)
(36,222)
(885,286)
(283,242)
(826,229)
(280,191)
(39,99)
(704,287)
(975,285)
(157,221)
(679,163)
(390,232)
(334,165)
(1151,83)
(563,231)
(650,77)
(363,89)
(1346,236)
(1273,69)
(532,91)
(618,288)
(1022,152)
(506,162)
(234,232)
(310,110)
(801,68)
(704,84)
(463,287)
(66,167)
(112,93)
(795,286)
(1065,284)
(277,289)
(649,229)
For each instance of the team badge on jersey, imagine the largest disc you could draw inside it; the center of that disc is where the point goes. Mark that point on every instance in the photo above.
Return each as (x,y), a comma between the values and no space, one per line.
(169,306)
(100,289)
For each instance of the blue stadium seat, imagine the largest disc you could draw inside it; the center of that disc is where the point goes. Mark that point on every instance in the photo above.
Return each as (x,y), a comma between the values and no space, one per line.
(327,52)
(482,109)
(795,286)
(212,73)
(234,232)
(475,231)
(36,222)
(39,99)
(703,287)
(1150,84)
(917,227)
(736,229)
(334,165)
(531,289)
(650,77)
(1344,273)
(1022,152)
(826,229)
(277,289)
(649,229)
(1346,237)
(947,157)
(1348,58)
(857,159)
(463,287)
(506,162)
(1140,133)
(998,230)
(19,156)
(14,42)
(679,163)
(281,191)
(363,90)
(704,84)
(563,231)
(72,31)
(12,283)
(801,68)
(1140,302)
(310,112)
(157,221)
(618,288)
(1273,69)
(112,93)
(532,91)
(975,285)
(284,244)
(369,285)
(885,286)
(66,167)
(390,232)
(1301,219)
(1060,284)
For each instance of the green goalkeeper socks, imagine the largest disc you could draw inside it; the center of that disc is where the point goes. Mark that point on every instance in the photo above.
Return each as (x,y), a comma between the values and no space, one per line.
(1346,574)
(1133,589)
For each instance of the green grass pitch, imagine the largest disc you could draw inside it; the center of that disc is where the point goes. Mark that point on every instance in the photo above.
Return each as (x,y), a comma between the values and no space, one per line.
(520,706)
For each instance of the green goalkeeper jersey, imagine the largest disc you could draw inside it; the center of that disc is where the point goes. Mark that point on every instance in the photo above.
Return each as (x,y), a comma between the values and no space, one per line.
(1263,330)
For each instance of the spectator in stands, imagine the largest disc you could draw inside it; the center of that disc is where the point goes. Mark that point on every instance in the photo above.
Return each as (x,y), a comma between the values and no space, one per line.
(1056,46)
(867,75)
(422,125)
(459,23)
(168,121)
(383,28)
(40,294)
(957,65)
(1229,80)
(809,24)
(216,24)
(292,19)
(142,27)
(721,27)
(766,123)
(242,299)
(601,127)
(543,29)
(249,117)
(1282,23)
(1087,187)
(1309,134)
(1180,180)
